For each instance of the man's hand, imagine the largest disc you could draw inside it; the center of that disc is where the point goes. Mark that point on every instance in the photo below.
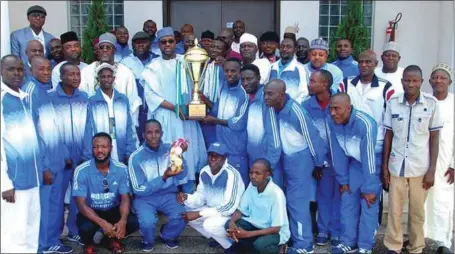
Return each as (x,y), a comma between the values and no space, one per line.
(184,147)
(317,173)
(120,229)
(69,164)
(240,233)
(385,178)
(370,198)
(231,235)
(181,115)
(428,179)
(168,173)
(47,177)
(108,229)
(9,196)
(181,197)
(450,173)
(344,188)
(209,120)
(219,60)
(233,226)
(190,216)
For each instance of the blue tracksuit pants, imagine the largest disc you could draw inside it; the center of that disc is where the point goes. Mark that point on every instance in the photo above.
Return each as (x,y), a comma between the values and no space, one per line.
(298,169)
(146,209)
(328,198)
(240,162)
(72,213)
(51,201)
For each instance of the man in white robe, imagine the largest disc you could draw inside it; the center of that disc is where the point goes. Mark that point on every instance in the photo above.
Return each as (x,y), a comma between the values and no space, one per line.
(439,203)
(167,91)
(124,78)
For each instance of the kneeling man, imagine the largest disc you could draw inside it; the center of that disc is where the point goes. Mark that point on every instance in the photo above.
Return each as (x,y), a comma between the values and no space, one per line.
(261,222)
(216,198)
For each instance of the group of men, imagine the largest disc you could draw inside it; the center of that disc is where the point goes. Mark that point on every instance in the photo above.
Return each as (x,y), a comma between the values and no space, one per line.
(284,130)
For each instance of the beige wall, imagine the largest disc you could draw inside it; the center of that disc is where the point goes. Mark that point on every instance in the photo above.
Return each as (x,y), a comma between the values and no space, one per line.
(56,19)
(136,12)
(305,13)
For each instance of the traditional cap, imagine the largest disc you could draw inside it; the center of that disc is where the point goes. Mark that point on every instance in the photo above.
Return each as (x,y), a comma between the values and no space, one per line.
(165,31)
(246,37)
(207,34)
(141,36)
(443,67)
(36,8)
(218,148)
(319,43)
(291,30)
(270,36)
(391,45)
(108,38)
(68,36)
(104,66)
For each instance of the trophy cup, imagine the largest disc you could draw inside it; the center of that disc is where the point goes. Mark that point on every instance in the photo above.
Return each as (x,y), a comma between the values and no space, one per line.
(196,61)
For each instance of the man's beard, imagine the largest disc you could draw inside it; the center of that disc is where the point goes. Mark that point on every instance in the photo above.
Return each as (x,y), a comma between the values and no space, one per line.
(108,157)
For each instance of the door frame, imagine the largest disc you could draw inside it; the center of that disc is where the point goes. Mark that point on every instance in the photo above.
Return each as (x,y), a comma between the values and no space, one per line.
(167,13)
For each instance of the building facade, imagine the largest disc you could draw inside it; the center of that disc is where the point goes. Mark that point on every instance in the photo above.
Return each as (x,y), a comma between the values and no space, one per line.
(426,30)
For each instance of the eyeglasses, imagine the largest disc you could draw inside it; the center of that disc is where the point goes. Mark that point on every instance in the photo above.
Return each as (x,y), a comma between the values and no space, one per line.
(108,47)
(105,185)
(37,14)
(164,42)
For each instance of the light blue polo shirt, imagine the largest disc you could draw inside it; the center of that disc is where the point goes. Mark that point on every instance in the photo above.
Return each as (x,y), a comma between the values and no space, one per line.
(88,183)
(266,209)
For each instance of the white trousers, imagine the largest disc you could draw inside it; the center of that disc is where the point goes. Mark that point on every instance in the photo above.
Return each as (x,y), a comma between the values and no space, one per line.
(212,227)
(20,222)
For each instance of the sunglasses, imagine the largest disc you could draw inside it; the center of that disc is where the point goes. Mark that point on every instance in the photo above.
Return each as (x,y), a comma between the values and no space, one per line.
(108,47)
(164,42)
(105,185)
(37,14)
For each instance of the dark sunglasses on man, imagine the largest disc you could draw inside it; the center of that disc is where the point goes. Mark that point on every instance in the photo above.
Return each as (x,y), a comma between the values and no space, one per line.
(169,41)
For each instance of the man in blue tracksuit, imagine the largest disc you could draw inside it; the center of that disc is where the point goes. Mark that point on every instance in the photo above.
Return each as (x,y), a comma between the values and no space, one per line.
(71,108)
(352,140)
(21,164)
(55,153)
(155,186)
(345,61)
(137,61)
(327,194)
(262,131)
(303,151)
(109,111)
(229,115)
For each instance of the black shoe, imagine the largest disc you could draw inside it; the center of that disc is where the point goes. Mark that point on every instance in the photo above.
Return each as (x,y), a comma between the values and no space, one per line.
(443,250)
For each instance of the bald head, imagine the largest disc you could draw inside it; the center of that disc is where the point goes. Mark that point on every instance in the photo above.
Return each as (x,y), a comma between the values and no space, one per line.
(276,84)
(340,108)
(368,54)
(275,94)
(34,48)
(41,69)
(367,64)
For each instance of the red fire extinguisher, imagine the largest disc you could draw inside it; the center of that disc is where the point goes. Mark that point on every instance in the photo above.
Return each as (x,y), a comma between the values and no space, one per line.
(391,30)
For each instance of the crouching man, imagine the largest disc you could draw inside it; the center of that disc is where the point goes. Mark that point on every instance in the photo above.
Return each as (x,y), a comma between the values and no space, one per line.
(102,189)
(216,198)
(260,223)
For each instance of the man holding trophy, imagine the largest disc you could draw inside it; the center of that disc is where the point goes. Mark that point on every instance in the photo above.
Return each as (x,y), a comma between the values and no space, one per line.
(168,91)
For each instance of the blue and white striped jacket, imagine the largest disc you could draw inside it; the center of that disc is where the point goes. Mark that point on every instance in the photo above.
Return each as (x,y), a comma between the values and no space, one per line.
(352,150)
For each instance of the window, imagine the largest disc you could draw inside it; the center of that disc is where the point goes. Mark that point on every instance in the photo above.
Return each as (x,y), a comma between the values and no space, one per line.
(79,15)
(332,11)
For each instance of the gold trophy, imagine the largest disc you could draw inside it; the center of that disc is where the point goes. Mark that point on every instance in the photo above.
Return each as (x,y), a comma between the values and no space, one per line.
(196,61)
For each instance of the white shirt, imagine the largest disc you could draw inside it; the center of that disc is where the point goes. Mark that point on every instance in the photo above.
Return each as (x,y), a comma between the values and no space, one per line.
(393,78)
(264,68)
(40,38)
(110,106)
(56,72)
(411,126)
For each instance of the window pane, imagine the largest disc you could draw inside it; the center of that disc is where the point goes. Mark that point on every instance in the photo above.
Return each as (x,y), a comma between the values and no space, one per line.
(344,10)
(323,31)
(84,20)
(85,8)
(334,9)
(367,21)
(108,8)
(118,20)
(323,9)
(74,9)
(323,20)
(74,21)
(334,20)
(118,9)
(109,20)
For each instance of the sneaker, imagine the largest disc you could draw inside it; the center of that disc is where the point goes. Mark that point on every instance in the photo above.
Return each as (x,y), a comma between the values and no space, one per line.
(341,248)
(214,244)
(147,247)
(90,249)
(297,250)
(171,244)
(75,239)
(322,239)
(364,251)
(335,241)
(59,249)
(99,235)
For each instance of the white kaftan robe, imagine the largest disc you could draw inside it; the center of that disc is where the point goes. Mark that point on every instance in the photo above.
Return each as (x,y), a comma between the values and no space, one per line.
(160,81)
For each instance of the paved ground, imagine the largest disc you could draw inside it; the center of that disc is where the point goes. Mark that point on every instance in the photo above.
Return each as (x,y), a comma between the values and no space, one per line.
(193,242)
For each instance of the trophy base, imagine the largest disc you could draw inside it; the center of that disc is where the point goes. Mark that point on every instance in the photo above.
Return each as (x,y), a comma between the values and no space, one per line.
(196,111)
